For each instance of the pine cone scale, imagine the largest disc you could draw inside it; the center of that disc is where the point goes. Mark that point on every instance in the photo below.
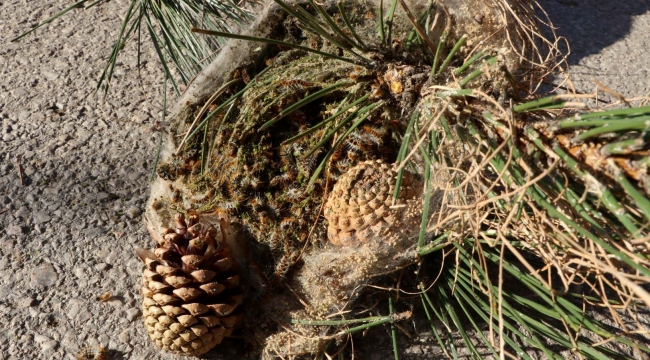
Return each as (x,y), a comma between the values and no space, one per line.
(359,208)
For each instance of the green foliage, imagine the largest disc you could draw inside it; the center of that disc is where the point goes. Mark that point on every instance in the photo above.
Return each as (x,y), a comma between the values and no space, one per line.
(168,23)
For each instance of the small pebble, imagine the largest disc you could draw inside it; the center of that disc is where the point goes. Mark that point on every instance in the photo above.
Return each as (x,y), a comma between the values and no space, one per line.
(111,257)
(25,302)
(115,302)
(49,347)
(40,217)
(132,314)
(133,212)
(79,272)
(124,337)
(22,212)
(104,196)
(15,230)
(50,191)
(41,338)
(4,291)
(49,75)
(102,267)
(44,276)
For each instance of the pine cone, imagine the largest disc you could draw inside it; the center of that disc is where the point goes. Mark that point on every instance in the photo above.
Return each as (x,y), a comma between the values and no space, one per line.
(191,287)
(360,207)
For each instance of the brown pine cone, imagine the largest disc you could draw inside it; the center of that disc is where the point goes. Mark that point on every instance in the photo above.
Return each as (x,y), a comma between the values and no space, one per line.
(360,208)
(191,287)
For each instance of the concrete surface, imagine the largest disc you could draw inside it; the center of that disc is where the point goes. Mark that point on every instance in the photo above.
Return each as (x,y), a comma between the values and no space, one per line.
(609,41)
(69,228)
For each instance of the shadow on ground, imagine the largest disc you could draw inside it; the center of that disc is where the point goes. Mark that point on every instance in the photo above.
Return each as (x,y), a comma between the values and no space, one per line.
(592,26)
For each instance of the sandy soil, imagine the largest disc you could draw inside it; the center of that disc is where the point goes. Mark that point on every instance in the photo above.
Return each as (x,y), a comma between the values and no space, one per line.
(74,172)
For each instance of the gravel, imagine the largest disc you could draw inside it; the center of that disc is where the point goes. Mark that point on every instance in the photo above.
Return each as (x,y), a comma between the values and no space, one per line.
(74,168)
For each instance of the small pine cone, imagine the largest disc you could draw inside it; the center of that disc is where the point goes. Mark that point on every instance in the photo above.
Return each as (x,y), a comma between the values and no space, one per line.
(191,287)
(360,208)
